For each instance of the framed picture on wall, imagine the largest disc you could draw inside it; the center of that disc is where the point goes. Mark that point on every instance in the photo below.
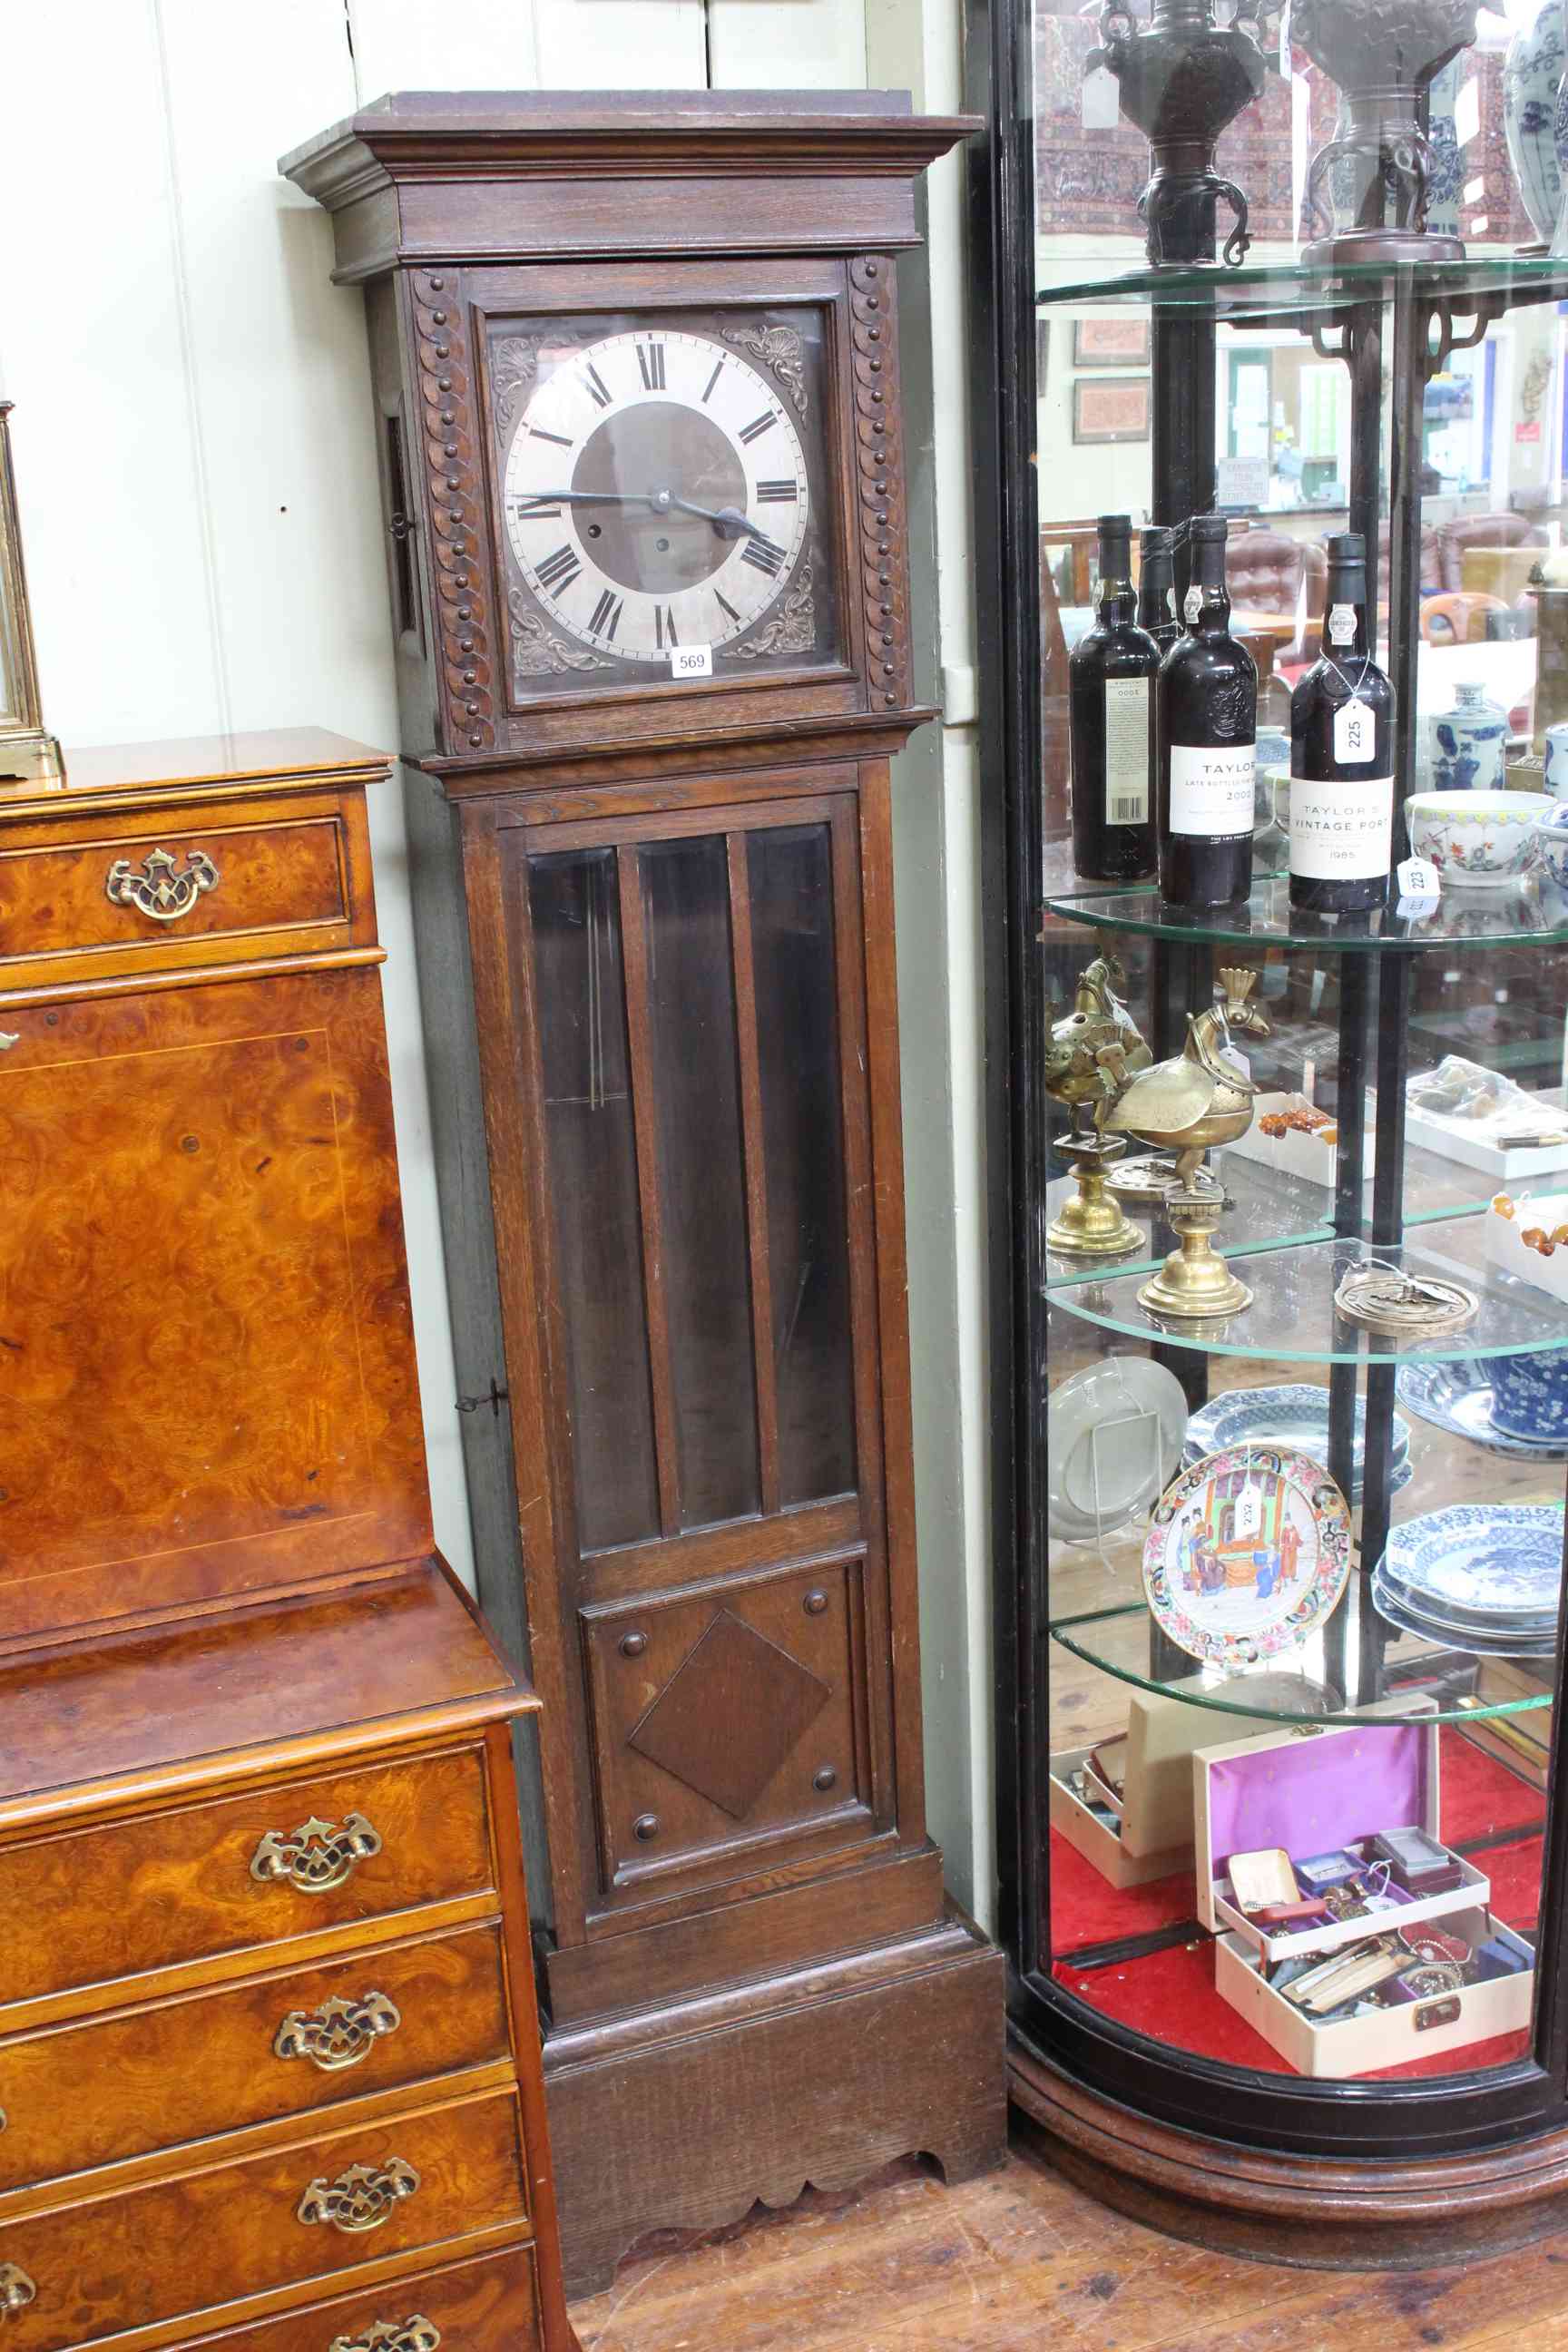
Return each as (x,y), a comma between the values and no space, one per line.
(1113,408)
(1110,343)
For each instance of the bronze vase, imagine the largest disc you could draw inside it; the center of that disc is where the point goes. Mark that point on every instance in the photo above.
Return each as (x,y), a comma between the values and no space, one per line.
(1384,55)
(1184,80)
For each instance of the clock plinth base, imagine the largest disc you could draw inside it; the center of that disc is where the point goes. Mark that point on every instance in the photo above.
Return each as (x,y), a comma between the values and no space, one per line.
(751,2093)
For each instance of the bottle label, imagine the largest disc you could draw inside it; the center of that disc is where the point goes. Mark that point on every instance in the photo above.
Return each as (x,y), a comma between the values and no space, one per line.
(1212,787)
(1127,747)
(1355,735)
(1343,625)
(1342,831)
(1194,604)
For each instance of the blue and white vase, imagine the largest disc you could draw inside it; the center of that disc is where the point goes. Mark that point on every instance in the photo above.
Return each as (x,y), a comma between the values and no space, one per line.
(1469,744)
(1532,84)
(1530,1394)
(1447,180)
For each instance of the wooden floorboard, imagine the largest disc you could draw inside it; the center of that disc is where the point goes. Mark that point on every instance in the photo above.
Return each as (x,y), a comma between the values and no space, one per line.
(904,2264)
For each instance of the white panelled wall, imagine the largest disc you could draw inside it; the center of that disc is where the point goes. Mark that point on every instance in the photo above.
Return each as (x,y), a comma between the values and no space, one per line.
(196,466)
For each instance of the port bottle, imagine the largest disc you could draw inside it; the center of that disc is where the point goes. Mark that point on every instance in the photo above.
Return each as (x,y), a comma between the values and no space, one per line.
(1111,678)
(1342,755)
(1207,726)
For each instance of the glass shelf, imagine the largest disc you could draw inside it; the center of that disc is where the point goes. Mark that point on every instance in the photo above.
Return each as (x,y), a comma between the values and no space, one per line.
(1267,1208)
(1271,289)
(1536,912)
(1292,1320)
(1117,1641)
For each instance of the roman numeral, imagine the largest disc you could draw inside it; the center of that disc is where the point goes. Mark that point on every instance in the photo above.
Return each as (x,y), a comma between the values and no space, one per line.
(724,605)
(773,494)
(765,556)
(596,383)
(559,438)
(650,359)
(558,571)
(529,511)
(607,617)
(664,626)
(759,426)
(711,382)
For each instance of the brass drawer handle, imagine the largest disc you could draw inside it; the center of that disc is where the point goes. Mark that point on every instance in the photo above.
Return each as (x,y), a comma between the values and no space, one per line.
(415,2335)
(318,1855)
(338,2034)
(362,2198)
(17,2290)
(160,891)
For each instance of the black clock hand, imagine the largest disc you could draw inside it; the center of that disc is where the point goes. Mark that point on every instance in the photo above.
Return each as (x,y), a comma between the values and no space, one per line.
(589,499)
(729,521)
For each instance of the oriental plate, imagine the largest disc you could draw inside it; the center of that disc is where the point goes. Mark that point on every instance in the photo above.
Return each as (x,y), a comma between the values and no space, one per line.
(1495,1566)
(1294,1416)
(1249,1552)
(1458,1397)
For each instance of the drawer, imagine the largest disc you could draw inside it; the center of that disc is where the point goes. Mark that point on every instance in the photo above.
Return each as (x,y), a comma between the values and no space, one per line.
(188,2247)
(194,1882)
(484,2306)
(171,892)
(110,2088)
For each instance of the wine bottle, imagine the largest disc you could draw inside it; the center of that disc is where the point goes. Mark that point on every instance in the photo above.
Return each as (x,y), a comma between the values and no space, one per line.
(1209,740)
(1342,755)
(1111,709)
(1157,588)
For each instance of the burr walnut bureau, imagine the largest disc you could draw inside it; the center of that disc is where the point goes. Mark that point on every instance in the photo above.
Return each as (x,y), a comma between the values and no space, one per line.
(635,363)
(269,2067)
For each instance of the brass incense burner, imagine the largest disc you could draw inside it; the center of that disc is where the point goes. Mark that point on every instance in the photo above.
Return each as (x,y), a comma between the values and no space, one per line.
(1093,1052)
(1184,1107)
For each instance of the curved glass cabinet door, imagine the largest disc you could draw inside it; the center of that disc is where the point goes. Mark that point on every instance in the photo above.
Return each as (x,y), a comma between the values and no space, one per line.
(1293,1712)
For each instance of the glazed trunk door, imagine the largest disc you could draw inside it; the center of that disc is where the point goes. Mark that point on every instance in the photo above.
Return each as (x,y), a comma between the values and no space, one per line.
(693,1029)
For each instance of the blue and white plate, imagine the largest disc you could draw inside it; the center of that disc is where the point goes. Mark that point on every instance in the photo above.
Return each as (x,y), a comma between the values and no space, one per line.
(1458,1397)
(1496,1566)
(1296,1415)
(1398,1611)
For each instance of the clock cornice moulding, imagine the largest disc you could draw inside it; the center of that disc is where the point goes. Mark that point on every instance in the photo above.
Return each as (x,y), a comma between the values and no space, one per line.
(425,137)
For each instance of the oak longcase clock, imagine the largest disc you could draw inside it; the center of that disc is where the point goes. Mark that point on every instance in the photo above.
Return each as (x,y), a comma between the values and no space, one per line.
(636,391)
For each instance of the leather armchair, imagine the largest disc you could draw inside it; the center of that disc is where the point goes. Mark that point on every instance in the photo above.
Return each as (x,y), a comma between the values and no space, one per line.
(1480,530)
(1265,570)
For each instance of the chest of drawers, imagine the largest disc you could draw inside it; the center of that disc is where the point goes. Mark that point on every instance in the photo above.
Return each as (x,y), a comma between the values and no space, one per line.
(270,2066)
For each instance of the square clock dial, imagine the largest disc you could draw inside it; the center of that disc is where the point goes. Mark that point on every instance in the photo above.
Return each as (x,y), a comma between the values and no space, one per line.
(663,497)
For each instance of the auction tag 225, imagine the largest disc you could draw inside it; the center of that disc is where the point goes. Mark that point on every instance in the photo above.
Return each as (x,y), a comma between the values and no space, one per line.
(691,661)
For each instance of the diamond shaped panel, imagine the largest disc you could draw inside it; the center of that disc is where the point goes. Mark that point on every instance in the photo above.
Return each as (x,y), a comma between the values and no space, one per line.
(730,1714)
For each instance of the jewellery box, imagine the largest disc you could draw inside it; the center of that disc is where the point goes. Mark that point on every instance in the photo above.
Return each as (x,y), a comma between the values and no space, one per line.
(1331,2049)
(1155,1806)
(1311,1788)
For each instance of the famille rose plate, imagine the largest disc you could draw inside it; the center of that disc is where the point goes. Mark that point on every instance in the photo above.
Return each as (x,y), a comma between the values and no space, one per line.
(1248,1553)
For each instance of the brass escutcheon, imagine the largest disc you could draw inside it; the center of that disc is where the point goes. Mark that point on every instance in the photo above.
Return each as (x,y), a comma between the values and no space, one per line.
(17,2290)
(338,2034)
(318,1855)
(160,890)
(362,2198)
(416,2334)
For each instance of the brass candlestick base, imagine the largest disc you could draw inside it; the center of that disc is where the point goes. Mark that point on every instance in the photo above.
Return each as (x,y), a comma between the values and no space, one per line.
(1195,1281)
(1092,1224)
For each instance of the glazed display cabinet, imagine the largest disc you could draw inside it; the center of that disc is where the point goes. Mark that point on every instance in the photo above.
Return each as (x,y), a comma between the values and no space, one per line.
(1278,1586)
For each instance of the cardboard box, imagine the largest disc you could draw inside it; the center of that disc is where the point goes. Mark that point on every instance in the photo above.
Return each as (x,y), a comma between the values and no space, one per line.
(1155,1836)
(1506,1244)
(1312,1788)
(1333,2050)
(1097,1841)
